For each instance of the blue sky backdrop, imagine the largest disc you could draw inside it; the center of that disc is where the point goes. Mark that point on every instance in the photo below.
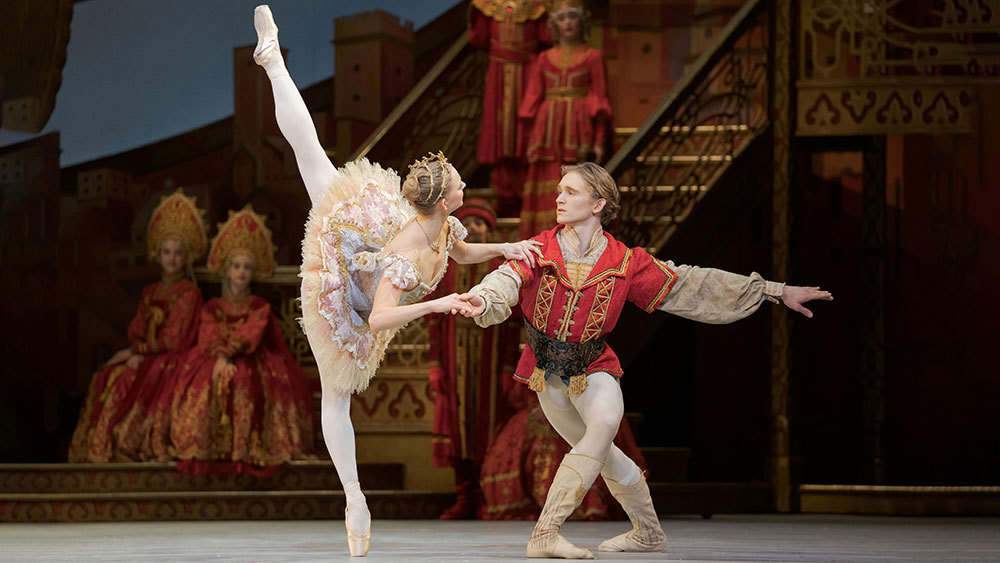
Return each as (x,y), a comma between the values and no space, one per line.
(139,71)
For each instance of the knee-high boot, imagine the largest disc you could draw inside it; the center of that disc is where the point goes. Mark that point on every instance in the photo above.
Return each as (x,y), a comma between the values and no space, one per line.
(575,476)
(646,533)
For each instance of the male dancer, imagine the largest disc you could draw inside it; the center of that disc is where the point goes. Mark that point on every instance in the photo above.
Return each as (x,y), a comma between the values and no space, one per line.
(571,299)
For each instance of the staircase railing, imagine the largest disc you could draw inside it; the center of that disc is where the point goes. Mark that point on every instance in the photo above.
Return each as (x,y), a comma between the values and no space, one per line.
(441,112)
(707,120)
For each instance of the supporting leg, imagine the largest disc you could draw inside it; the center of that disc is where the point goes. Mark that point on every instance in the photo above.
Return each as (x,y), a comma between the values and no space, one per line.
(338,433)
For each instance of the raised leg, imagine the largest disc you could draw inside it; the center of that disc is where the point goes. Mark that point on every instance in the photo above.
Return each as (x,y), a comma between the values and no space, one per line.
(293,117)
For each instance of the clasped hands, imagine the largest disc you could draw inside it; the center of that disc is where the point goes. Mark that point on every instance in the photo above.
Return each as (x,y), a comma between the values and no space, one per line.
(465,304)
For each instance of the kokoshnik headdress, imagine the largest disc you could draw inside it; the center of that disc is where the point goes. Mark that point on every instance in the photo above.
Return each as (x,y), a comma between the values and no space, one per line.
(177,216)
(553,6)
(243,231)
(423,164)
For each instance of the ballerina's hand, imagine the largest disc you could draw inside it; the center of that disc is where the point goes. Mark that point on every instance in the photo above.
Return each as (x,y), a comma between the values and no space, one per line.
(794,296)
(522,250)
(475,305)
(449,304)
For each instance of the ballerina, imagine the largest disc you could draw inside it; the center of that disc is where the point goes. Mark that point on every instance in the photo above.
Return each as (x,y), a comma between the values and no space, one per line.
(371,252)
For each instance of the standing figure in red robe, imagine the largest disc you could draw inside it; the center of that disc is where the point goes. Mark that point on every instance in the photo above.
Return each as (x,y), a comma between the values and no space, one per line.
(164,327)
(242,405)
(566,108)
(513,31)
(470,374)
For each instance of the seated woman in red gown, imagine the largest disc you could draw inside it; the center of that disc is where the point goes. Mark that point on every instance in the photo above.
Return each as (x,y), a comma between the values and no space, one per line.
(242,404)
(163,329)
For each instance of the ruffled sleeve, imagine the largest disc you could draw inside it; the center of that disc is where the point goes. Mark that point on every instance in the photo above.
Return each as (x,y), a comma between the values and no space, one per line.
(715,296)
(456,231)
(401,272)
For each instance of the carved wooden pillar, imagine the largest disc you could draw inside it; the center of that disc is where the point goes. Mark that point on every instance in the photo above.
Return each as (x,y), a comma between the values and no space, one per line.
(778,468)
(873,304)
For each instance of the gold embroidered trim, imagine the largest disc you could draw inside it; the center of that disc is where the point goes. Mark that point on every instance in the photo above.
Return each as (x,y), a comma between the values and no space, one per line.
(599,310)
(537,381)
(671,280)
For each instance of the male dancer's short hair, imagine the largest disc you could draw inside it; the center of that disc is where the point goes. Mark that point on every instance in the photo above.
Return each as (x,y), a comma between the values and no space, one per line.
(602,186)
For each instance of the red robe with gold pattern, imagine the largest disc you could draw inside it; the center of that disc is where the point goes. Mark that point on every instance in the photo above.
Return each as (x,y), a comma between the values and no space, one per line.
(566,105)
(554,305)
(513,32)
(164,327)
(253,420)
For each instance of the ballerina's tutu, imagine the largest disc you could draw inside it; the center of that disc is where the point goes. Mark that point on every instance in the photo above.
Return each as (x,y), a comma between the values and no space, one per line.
(342,264)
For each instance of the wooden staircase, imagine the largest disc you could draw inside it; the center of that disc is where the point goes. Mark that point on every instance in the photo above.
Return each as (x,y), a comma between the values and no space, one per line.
(686,146)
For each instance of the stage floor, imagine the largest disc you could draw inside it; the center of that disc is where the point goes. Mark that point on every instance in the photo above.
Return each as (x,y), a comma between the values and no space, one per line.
(722,538)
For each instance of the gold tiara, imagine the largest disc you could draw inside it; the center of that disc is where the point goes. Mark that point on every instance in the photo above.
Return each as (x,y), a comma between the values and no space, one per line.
(433,196)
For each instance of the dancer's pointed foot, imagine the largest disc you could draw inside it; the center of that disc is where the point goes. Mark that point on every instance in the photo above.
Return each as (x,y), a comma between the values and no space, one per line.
(357,520)
(358,543)
(267,54)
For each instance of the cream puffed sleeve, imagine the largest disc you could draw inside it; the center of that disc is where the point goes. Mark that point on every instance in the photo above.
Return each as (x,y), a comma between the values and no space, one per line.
(715,296)
(500,290)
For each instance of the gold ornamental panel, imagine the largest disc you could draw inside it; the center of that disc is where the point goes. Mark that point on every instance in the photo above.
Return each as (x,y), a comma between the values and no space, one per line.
(893,66)
(396,401)
(878,109)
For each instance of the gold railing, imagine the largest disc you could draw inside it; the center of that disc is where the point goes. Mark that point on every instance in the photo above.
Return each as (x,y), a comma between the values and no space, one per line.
(441,112)
(707,120)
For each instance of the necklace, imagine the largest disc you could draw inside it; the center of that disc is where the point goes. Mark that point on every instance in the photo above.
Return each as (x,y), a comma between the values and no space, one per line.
(434,246)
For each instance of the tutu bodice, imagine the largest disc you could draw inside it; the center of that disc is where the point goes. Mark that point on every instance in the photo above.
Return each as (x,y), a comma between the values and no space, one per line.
(344,260)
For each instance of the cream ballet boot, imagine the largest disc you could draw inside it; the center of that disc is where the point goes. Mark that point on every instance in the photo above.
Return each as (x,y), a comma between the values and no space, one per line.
(646,533)
(575,476)
(267,54)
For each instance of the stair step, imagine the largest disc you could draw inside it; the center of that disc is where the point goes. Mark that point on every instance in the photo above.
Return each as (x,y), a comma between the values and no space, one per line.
(215,505)
(666,464)
(711,498)
(104,478)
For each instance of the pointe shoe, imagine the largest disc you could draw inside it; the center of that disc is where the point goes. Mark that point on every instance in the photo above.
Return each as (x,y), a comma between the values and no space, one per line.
(575,475)
(267,52)
(358,544)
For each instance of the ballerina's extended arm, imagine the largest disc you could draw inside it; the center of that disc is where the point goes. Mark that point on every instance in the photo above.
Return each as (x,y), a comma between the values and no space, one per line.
(479,252)
(387,313)
(293,117)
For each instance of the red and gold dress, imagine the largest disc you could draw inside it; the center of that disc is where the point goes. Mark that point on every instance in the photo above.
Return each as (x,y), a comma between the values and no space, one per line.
(254,420)
(566,104)
(513,32)
(111,421)
(115,420)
